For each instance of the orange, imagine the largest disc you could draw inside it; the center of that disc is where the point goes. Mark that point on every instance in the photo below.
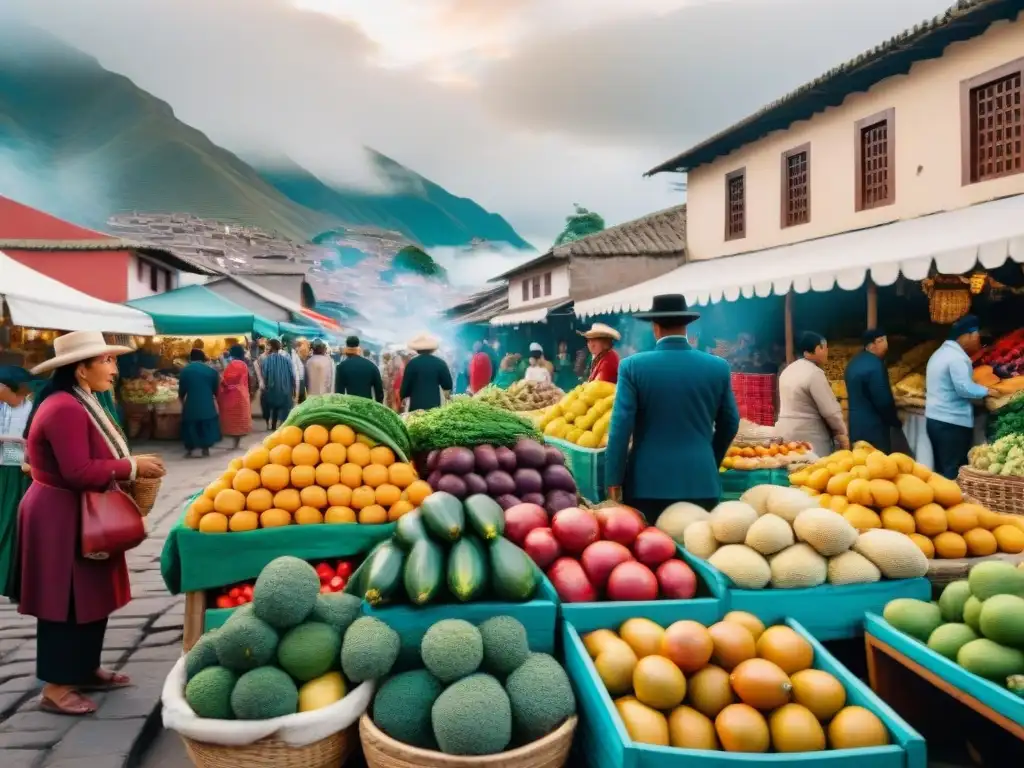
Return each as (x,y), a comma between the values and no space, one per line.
(362,496)
(303,476)
(202,505)
(950,546)
(316,436)
(308,516)
(388,494)
(275,518)
(375,475)
(274,477)
(333,453)
(1010,538)
(271,441)
(246,480)
(235,464)
(229,501)
(962,518)
(314,496)
(401,474)
(339,495)
(342,434)
(305,455)
(214,488)
(327,475)
(259,500)
(980,543)
(290,436)
(339,514)
(229,476)
(374,514)
(352,475)
(382,455)
(281,455)
(244,521)
(398,509)
(924,544)
(192,518)
(256,458)
(359,454)
(288,500)
(369,442)
(418,491)
(930,520)
(214,522)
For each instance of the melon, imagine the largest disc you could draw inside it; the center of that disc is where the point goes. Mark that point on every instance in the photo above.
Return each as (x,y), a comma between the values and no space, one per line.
(699,540)
(895,555)
(852,568)
(678,517)
(731,520)
(798,567)
(769,534)
(787,503)
(826,531)
(743,566)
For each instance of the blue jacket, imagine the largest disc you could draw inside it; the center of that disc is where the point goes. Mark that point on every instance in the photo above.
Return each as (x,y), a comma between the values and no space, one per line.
(872,408)
(197,389)
(951,386)
(677,406)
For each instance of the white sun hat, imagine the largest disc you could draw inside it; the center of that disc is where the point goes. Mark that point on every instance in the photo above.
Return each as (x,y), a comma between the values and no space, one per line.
(601,331)
(423,342)
(78,346)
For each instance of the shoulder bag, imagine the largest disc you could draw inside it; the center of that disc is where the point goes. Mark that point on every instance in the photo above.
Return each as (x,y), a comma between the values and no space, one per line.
(111,522)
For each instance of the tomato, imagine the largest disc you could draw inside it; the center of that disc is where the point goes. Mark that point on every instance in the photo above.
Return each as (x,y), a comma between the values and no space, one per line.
(241,600)
(247,592)
(337,584)
(325,589)
(344,569)
(225,602)
(325,572)
(234,592)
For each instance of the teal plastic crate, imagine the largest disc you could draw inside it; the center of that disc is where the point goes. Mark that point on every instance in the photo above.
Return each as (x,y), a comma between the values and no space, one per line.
(707,607)
(586,466)
(993,696)
(736,482)
(604,743)
(214,618)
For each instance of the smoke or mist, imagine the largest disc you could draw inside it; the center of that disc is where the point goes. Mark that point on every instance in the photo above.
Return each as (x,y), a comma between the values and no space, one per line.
(471,268)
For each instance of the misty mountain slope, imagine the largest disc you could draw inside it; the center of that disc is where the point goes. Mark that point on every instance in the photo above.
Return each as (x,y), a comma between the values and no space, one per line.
(417,207)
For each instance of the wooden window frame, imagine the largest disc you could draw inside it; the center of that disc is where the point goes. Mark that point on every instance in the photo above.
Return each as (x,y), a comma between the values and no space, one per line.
(526,289)
(739,173)
(784,185)
(547,283)
(535,281)
(967,124)
(887,116)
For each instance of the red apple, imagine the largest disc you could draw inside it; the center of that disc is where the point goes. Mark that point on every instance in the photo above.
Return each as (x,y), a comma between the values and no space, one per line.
(570,582)
(600,558)
(542,546)
(622,526)
(632,581)
(575,529)
(676,580)
(653,547)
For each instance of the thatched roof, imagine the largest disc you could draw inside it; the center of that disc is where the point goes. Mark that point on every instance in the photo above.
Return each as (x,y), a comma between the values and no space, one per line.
(173,260)
(927,40)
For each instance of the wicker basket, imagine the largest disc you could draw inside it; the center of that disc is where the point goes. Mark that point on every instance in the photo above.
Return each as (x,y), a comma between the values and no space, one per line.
(942,572)
(996,492)
(144,491)
(381,751)
(166,426)
(946,306)
(272,753)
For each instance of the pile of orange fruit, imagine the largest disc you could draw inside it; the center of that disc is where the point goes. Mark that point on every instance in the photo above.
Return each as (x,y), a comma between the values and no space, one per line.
(309,477)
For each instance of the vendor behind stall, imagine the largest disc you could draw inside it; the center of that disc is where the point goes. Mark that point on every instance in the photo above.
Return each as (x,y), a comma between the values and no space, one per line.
(604,364)
(808,409)
(873,416)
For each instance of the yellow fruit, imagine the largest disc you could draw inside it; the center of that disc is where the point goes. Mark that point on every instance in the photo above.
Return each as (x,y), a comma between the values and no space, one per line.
(288,500)
(192,517)
(980,543)
(924,544)
(256,458)
(884,493)
(275,518)
(962,518)
(1015,520)
(418,491)
(229,501)
(373,514)
(316,435)
(741,728)
(930,520)
(259,500)
(362,439)
(302,476)
(860,472)
(339,495)
(753,624)
(950,546)
(235,464)
(615,664)
(733,644)
(351,475)
(387,494)
(643,724)
(784,647)
(382,455)
(708,690)
(859,492)
(819,691)
(281,455)
(214,522)
(914,492)
(794,728)
(896,519)
(643,636)
(596,641)
(839,504)
(860,456)
(374,475)
(290,436)
(246,480)
(856,727)
(1010,539)
(761,684)
(988,519)
(327,475)
(904,463)
(308,516)
(339,515)
(947,492)
(402,475)
(825,500)
(837,484)
(921,472)
(313,496)
(214,488)
(861,517)
(359,454)
(363,496)
(342,434)
(275,477)
(818,480)
(333,453)
(689,729)
(399,508)
(881,467)
(272,441)
(244,521)
(305,455)
(321,692)
(658,683)
(202,505)
(229,476)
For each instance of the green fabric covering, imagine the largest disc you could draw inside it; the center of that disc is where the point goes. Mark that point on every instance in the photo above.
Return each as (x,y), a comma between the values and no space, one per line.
(193,561)
(13,484)
(195,311)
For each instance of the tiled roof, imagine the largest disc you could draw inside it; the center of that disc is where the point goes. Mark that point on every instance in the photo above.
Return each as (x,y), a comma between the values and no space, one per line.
(182,262)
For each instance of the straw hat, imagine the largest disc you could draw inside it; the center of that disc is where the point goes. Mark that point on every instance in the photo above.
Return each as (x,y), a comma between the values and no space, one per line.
(423,342)
(78,346)
(601,331)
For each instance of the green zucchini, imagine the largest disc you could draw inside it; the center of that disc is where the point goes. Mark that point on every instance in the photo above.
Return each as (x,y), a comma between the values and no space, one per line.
(357,581)
(424,571)
(385,573)
(443,516)
(485,516)
(467,569)
(512,571)
(409,529)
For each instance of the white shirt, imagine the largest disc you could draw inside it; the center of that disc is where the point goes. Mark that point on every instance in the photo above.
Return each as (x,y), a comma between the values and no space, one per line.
(537,373)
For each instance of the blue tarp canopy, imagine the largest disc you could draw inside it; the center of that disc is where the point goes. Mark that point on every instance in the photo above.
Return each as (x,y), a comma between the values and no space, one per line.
(196,311)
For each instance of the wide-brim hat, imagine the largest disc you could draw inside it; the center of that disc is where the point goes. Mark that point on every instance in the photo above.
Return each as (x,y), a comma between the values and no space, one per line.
(668,306)
(601,331)
(423,342)
(77,346)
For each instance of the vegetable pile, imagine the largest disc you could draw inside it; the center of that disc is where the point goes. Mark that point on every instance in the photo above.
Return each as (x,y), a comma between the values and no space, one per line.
(479,690)
(874,490)
(366,416)
(333,578)
(978,622)
(607,554)
(1005,356)
(285,653)
(1009,420)
(776,536)
(735,686)
(528,471)
(150,388)
(1003,457)
(583,416)
(467,422)
(521,396)
(447,549)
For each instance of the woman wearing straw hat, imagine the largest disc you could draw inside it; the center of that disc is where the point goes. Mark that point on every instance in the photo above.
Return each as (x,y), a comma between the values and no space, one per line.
(72,447)
(604,364)
(427,380)
(15,407)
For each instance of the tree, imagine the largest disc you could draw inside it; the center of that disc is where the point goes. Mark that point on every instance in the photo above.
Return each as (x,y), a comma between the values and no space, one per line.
(579,225)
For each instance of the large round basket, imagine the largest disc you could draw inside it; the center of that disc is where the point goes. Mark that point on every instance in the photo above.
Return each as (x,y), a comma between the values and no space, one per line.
(942,572)
(272,753)
(381,751)
(997,492)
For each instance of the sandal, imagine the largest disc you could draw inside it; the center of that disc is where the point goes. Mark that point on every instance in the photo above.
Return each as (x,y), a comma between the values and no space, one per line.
(70,703)
(105,680)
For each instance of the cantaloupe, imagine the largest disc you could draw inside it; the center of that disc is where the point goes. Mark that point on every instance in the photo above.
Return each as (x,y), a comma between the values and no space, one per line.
(852,568)
(678,517)
(828,532)
(914,492)
(731,520)
(895,555)
(699,540)
(757,496)
(787,503)
(770,534)
(746,568)
(798,567)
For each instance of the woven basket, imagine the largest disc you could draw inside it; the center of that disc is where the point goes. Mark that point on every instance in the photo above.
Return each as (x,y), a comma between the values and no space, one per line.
(946,307)
(381,751)
(996,492)
(167,426)
(272,753)
(942,572)
(144,491)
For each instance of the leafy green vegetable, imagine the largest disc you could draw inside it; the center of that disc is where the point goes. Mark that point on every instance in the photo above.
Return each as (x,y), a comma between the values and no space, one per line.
(1009,420)
(1003,457)
(467,422)
(362,414)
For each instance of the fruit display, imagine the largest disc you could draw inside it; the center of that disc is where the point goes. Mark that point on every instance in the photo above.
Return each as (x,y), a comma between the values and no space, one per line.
(525,472)
(1003,457)
(447,549)
(467,422)
(978,622)
(150,388)
(766,455)
(873,490)
(290,650)
(779,537)
(606,554)
(582,417)
(734,686)
(379,424)
(475,690)
(521,396)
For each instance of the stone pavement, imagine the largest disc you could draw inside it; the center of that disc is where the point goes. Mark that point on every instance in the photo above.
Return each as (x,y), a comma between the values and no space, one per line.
(143,640)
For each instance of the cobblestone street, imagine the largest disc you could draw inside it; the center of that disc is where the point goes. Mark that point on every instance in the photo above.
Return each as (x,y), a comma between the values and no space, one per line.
(143,640)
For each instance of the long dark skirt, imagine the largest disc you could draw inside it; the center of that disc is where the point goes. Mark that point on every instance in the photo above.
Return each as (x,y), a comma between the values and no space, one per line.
(200,434)
(68,653)
(13,484)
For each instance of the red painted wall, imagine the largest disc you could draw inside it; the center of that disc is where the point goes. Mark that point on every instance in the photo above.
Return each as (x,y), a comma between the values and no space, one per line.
(103,274)
(20,222)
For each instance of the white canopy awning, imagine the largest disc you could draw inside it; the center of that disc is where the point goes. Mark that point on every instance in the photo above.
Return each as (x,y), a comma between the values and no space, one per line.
(534,315)
(37,301)
(956,241)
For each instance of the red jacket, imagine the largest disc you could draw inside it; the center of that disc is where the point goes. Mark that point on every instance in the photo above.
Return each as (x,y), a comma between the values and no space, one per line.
(605,367)
(480,371)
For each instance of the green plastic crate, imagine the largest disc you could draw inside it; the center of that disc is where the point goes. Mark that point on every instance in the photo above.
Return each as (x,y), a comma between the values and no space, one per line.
(586,466)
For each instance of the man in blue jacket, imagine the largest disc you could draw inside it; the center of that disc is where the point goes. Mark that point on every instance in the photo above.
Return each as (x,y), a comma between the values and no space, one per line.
(676,405)
(872,407)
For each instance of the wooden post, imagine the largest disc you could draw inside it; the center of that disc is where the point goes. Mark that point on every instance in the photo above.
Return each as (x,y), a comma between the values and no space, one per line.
(872,304)
(790,352)
(194,620)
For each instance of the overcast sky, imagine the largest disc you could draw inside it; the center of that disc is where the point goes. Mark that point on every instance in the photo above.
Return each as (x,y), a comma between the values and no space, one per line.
(526,106)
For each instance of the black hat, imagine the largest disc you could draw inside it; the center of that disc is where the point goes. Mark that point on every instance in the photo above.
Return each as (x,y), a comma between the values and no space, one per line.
(668,306)
(966,324)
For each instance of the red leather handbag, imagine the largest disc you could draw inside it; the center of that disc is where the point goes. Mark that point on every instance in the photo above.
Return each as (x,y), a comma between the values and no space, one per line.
(111,523)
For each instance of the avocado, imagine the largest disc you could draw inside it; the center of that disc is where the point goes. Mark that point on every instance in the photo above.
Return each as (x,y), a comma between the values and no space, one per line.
(952,599)
(401,707)
(245,644)
(285,592)
(991,660)
(309,650)
(541,698)
(452,649)
(472,717)
(1002,620)
(948,639)
(209,693)
(264,693)
(337,609)
(202,655)
(916,618)
(506,645)
(369,650)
